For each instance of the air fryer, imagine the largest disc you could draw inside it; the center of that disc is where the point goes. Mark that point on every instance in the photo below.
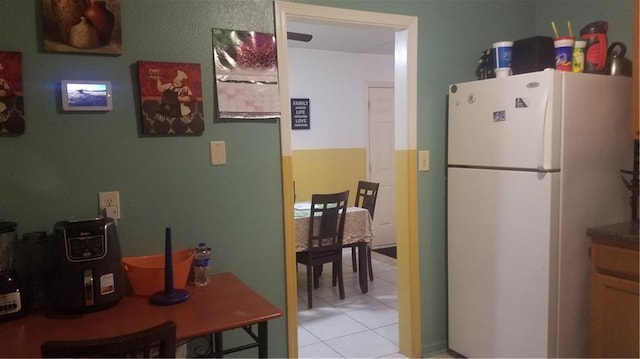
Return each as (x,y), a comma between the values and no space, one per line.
(88,274)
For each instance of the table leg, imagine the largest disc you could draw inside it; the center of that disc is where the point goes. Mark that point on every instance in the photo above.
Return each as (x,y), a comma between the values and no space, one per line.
(362,267)
(263,340)
(217,343)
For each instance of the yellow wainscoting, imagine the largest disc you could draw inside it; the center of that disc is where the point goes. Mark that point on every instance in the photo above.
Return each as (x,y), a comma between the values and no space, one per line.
(408,263)
(328,171)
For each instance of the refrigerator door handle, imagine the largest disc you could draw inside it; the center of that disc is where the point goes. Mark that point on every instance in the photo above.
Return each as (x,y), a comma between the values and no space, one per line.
(542,129)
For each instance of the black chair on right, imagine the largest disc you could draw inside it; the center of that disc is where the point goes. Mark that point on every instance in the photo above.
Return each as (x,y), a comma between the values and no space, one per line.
(155,342)
(366,197)
(326,229)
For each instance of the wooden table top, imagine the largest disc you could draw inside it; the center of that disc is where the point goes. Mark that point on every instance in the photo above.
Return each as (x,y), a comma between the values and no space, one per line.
(225,303)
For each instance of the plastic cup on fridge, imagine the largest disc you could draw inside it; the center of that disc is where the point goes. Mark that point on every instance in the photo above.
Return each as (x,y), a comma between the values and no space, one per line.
(577,58)
(501,52)
(564,51)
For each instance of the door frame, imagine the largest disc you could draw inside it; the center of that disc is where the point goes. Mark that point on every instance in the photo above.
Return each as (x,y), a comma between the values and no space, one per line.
(405,85)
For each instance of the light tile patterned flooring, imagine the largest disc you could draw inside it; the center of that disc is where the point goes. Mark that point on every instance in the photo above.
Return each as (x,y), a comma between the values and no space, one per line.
(359,326)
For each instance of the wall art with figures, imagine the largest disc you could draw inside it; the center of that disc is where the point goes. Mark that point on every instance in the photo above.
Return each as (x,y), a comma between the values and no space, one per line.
(11,98)
(171,98)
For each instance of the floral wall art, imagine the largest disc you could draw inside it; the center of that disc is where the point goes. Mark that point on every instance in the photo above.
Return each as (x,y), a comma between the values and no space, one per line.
(171,98)
(11,99)
(246,74)
(90,26)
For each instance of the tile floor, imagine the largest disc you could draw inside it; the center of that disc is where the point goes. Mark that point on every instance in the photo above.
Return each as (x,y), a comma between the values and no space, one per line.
(359,326)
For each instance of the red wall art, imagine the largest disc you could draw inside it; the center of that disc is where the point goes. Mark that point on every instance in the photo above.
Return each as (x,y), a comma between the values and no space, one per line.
(11,98)
(171,98)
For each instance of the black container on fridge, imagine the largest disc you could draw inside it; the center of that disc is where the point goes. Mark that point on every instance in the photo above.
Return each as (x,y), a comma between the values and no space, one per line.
(533,54)
(11,299)
(486,65)
(88,274)
(595,55)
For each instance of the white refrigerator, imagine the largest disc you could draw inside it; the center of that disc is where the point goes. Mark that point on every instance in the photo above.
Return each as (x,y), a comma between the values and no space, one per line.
(533,161)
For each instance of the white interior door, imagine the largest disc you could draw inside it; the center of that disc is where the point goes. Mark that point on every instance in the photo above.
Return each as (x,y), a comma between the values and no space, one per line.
(382,163)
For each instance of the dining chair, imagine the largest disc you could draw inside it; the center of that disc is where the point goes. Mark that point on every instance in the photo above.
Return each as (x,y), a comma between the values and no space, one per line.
(324,244)
(366,197)
(158,341)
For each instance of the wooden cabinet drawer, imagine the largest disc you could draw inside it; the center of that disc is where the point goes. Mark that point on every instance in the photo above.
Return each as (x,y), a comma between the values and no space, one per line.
(615,261)
(614,317)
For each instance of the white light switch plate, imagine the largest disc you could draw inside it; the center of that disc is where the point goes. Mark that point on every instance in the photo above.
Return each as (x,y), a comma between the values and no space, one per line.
(218,153)
(423,161)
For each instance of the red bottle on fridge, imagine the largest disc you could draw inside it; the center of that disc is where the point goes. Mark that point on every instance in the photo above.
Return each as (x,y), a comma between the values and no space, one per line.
(595,56)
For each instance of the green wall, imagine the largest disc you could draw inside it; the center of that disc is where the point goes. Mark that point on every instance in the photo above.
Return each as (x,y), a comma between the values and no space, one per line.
(56,169)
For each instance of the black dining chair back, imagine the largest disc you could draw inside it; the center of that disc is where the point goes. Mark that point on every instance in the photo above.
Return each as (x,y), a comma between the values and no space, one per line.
(324,245)
(366,197)
(155,342)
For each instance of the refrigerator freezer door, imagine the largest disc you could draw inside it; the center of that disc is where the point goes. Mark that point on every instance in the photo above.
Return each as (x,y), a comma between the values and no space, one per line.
(502,250)
(506,122)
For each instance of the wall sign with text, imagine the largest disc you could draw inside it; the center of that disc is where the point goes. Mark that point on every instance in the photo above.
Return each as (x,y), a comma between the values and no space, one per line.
(300,116)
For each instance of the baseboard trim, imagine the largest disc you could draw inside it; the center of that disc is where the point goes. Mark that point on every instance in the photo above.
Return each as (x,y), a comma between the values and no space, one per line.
(432,349)
(387,251)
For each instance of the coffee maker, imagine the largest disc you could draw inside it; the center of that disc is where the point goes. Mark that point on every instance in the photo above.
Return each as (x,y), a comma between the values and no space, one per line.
(88,274)
(11,300)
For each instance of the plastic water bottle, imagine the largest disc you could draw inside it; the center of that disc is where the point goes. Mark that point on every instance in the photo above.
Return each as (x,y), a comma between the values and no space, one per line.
(201,265)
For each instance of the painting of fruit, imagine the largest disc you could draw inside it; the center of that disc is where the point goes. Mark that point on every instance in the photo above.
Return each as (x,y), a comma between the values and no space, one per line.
(89,26)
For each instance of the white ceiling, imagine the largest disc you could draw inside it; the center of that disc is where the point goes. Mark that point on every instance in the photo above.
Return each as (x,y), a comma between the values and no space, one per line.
(343,37)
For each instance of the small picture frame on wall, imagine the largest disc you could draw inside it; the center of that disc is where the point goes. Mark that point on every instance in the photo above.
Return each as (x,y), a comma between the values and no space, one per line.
(300,114)
(86,95)
(171,98)
(11,98)
(87,26)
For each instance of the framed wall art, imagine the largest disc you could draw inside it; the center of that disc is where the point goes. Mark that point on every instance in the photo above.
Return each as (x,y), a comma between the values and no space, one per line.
(11,98)
(88,26)
(171,98)
(246,74)
(300,114)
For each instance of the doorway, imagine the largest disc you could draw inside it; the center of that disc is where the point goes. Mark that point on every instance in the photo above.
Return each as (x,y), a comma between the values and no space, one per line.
(405,85)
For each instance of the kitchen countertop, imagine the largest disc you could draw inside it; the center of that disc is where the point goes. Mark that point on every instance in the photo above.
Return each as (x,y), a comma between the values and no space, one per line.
(619,233)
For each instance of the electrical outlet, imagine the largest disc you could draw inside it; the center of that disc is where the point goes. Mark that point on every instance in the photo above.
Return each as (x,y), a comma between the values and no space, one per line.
(110,200)
(423,160)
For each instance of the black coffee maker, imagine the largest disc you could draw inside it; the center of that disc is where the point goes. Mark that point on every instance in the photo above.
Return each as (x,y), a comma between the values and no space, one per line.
(88,274)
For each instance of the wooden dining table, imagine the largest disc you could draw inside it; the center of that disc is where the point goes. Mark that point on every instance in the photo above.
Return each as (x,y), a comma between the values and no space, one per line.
(226,303)
(358,231)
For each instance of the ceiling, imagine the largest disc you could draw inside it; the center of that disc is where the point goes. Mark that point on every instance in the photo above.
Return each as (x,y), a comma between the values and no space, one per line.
(343,37)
